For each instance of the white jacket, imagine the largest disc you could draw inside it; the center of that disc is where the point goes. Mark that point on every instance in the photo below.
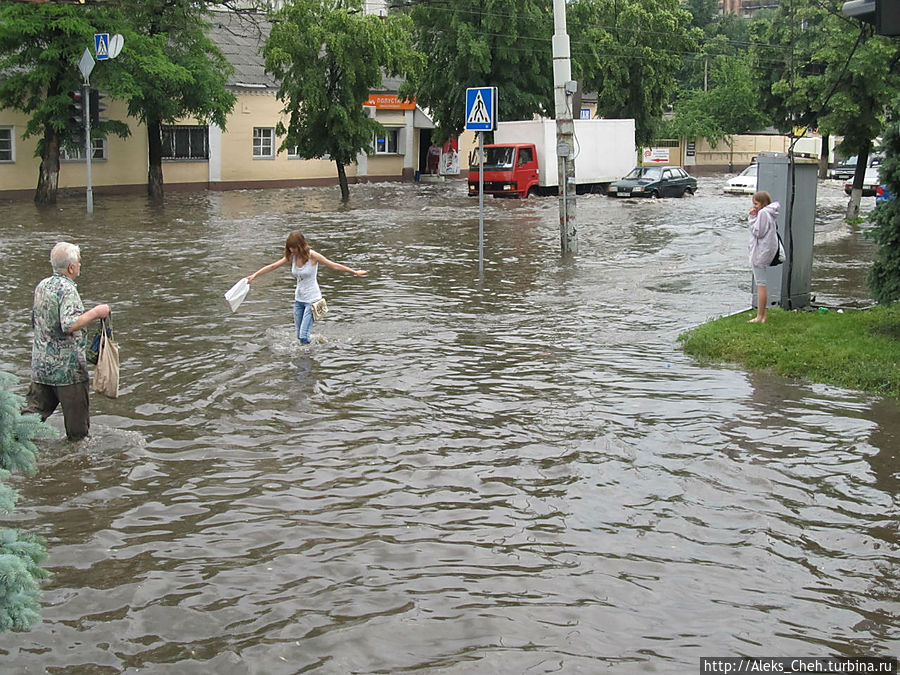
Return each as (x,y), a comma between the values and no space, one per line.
(763,244)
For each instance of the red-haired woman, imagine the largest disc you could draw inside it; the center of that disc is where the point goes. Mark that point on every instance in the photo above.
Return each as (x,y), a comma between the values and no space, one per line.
(304,266)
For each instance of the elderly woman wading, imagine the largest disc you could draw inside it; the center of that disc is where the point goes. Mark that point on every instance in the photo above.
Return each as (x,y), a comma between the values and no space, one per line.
(304,266)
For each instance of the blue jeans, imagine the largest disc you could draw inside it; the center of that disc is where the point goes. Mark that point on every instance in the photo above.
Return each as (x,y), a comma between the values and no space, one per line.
(303,320)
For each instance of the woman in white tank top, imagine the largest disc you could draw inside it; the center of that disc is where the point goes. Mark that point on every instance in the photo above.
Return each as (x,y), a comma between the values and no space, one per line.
(304,266)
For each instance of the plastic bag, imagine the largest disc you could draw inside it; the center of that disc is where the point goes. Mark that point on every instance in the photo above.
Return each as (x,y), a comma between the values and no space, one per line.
(236,294)
(106,374)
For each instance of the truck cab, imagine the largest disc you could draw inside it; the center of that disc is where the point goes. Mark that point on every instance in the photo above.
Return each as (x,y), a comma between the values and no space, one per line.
(510,170)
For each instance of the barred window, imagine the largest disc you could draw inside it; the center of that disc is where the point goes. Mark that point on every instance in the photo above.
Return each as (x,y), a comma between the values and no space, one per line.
(185,142)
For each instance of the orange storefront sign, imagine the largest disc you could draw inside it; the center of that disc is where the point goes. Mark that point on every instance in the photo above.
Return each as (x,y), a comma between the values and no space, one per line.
(389,102)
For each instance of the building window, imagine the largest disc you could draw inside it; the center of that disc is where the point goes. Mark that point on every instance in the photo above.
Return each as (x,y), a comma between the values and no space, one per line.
(294,152)
(185,142)
(7,149)
(263,142)
(74,154)
(387,143)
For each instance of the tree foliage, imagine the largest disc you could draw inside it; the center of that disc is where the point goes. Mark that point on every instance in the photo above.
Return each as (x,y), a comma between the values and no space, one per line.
(884,276)
(481,43)
(328,57)
(730,106)
(630,52)
(21,554)
(40,46)
(820,69)
(724,36)
(168,70)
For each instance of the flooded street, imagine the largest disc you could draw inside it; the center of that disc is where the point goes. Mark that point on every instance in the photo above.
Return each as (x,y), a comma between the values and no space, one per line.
(520,473)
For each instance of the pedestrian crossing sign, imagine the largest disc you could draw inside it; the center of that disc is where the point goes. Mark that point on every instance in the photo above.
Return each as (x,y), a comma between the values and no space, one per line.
(101,46)
(481,108)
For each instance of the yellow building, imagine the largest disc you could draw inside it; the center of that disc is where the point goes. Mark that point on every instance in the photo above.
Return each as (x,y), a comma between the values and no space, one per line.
(243,155)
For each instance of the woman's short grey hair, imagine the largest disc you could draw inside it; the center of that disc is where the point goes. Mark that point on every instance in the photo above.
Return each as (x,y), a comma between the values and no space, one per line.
(63,255)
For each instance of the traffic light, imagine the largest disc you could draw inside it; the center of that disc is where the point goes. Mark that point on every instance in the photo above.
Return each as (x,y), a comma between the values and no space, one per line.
(78,108)
(97,106)
(887,17)
(885,14)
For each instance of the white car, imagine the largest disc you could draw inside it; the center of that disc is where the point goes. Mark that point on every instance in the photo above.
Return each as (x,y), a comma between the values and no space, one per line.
(871,183)
(744,183)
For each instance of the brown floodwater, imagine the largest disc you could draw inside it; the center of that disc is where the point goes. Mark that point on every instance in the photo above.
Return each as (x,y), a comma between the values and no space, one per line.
(519,472)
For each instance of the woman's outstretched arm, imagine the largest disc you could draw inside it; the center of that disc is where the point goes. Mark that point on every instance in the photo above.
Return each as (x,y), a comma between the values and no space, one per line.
(318,257)
(267,268)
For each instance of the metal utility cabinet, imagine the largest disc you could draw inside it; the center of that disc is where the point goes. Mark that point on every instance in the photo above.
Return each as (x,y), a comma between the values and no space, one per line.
(792,183)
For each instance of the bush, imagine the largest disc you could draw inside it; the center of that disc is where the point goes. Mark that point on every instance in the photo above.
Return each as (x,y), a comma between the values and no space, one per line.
(884,276)
(20,554)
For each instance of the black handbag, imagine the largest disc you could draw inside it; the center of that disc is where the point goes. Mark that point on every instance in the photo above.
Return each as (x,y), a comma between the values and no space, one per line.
(777,259)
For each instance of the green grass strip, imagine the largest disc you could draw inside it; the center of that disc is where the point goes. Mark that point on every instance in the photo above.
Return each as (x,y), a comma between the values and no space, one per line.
(856,349)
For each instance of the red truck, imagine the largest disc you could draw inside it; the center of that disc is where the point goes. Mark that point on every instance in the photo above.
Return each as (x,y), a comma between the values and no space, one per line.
(510,169)
(522,160)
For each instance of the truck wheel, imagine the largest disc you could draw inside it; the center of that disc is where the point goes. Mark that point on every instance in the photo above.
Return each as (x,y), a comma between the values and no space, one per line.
(532,191)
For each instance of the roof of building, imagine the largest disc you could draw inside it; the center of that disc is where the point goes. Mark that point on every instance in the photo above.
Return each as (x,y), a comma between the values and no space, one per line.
(241,37)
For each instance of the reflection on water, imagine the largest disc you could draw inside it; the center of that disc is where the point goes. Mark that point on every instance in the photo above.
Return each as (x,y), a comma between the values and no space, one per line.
(513,473)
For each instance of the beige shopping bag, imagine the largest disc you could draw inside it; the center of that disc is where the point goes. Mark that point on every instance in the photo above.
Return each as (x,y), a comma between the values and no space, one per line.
(106,374)
(319,309)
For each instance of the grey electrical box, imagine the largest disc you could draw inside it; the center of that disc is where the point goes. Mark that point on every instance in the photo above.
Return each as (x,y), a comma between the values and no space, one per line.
(792,183)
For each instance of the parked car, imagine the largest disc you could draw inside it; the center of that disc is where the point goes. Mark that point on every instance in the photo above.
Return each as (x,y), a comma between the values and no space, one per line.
(871,183)
(744,183)
(654,181)
(844,169)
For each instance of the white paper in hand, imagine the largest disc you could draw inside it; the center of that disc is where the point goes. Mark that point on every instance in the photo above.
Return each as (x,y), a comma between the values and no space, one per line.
(236,294)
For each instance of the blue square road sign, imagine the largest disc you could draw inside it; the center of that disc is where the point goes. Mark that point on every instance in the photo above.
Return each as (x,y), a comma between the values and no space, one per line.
(481,108)
(101,46)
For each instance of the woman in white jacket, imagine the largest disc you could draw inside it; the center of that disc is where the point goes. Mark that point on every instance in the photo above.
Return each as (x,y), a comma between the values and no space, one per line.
(763,246)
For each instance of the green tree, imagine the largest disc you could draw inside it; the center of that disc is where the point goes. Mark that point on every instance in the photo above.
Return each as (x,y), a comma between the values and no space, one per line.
(481,43)
(328,56)
(40,46)
(730,106)
(821,69)
(724,36)
(884,276)
(20,553)
(630,52)
(169,69)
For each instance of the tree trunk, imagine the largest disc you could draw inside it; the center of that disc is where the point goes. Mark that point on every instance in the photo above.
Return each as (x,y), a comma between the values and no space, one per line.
(48,174)
(862,161)
(342,179)
(823,157)
(154,152)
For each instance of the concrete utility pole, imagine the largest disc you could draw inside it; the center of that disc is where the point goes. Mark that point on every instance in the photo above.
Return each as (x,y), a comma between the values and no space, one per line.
(563,89)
